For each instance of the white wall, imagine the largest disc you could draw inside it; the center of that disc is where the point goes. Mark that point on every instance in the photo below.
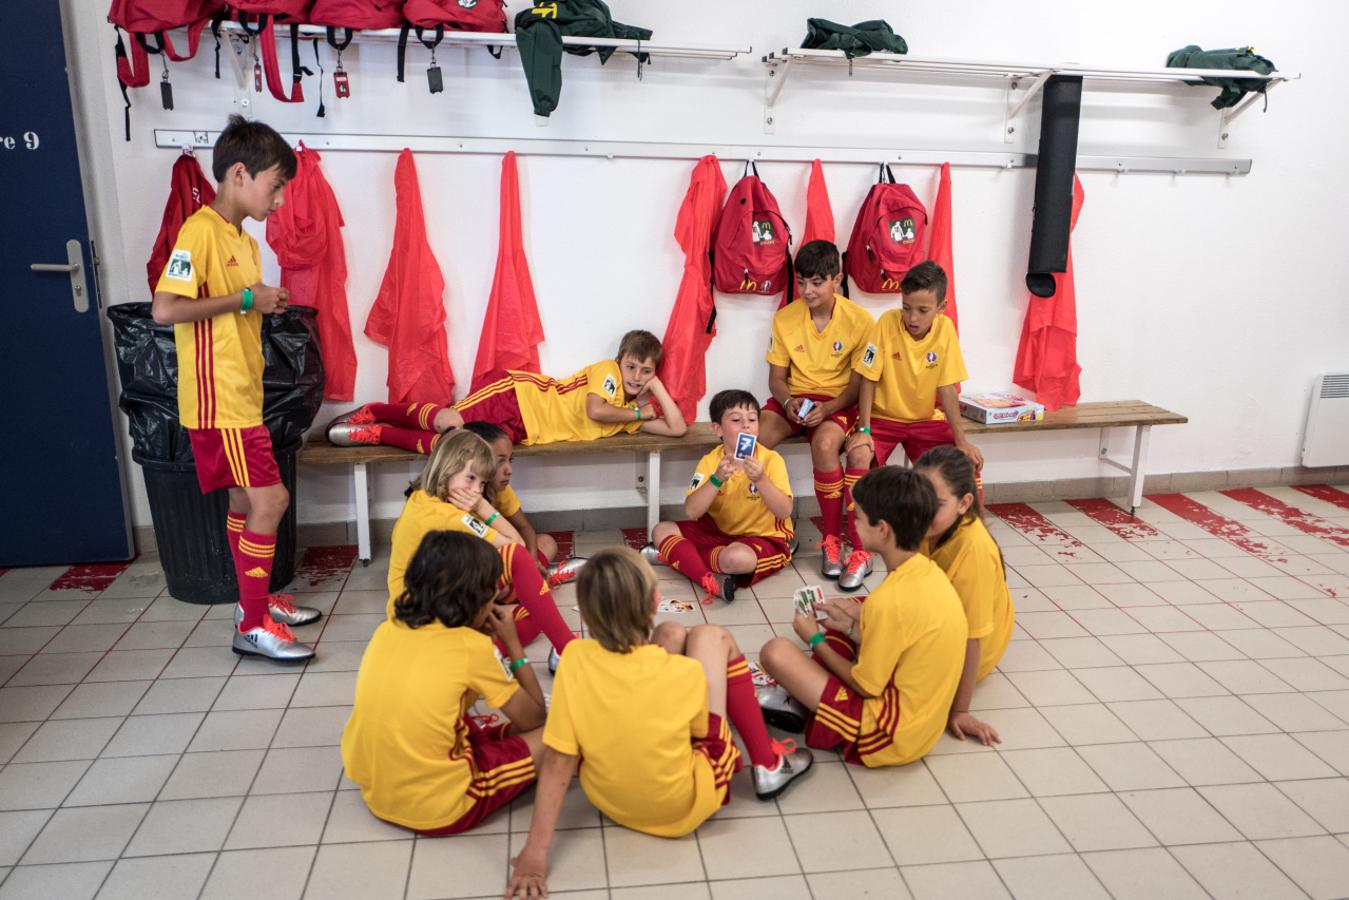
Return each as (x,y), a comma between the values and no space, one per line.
(1216,297)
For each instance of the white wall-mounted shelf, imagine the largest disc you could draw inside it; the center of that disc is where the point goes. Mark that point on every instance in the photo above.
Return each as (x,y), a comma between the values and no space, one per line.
(781,64)
(496,146)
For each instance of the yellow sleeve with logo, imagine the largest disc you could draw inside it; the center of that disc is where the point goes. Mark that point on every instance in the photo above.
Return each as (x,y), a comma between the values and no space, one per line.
(471,524)
(869,362)
(706,466)
(605,380)
(508,503)
(489,675)
(185,272)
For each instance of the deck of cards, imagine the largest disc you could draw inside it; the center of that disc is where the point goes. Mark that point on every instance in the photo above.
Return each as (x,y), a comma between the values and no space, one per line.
(810,600)
(804,409)
(674,606)
(744,445)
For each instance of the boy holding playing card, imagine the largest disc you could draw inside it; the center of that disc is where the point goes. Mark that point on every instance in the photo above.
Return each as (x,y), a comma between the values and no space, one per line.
(739,506)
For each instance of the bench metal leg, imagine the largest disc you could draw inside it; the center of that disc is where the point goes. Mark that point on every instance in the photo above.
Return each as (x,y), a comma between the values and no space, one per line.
(360,483)
(652,491)
(1139,469)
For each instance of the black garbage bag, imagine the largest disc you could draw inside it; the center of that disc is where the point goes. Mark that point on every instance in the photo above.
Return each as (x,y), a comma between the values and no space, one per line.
(147,365)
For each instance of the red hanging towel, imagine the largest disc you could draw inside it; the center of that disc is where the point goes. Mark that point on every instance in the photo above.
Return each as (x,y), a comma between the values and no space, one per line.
(189,191)
(511,330)
(1046,360)
(409,314)
(690,329)
(941,250)
(307,237)
(819,214)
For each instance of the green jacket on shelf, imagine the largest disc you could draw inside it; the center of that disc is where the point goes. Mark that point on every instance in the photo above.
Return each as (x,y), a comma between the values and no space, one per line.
(855,40)
(1233,89)
(538,35)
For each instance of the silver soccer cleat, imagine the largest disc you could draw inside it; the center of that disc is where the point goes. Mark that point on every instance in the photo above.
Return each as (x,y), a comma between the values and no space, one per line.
(855,570)
(781,709)
(347,429)
(793,762)
(565,571)
(831,558)
(271,640)
(284,611)
(651,554)
(553,659)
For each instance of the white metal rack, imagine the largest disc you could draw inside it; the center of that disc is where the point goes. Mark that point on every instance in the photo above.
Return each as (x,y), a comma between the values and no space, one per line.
(780,65)
(496,146)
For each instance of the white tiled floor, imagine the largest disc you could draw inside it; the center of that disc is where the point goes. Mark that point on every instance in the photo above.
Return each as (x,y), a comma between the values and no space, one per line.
(1175,715)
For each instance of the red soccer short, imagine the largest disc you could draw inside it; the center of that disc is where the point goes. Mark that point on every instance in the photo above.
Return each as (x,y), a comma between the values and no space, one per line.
(916,437)
(493,400)
(844,418)
(497,758)
(772,552)
(837,720)
(720,749)
(233,457)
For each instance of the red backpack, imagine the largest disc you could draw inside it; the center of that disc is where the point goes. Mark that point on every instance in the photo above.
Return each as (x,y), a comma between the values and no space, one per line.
(351,16)
(751,243)
(887,238)
(261,15)
(455,15)
(146,19)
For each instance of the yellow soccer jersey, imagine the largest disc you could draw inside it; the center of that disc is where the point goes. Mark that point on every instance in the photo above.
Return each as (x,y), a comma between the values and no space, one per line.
(406,743)
(631,717)
(971,560)
(508,503)
(908,372)
(421,515)
(219,359)
(554,410)
(739,508)
(912,650)
(819,362)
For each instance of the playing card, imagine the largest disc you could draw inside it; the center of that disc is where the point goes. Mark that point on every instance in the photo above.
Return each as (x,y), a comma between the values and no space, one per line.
(674,606)
(808,600)
(807,405)
(757,675)
(744,446)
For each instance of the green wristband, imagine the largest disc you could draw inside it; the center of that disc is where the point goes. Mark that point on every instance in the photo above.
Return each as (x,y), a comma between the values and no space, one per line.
(492,518)
(815,640)
(247,304)
(519,664)
(864,429)
(637,409)
(714,480)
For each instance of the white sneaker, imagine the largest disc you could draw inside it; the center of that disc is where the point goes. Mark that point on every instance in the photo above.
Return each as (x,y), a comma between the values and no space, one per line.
(271,640)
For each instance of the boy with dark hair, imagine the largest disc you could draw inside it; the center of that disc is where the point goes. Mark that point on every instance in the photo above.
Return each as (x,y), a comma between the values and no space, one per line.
(911,362)
(882,676)
(739,507)
(613,396)
(817,340)
(212,294)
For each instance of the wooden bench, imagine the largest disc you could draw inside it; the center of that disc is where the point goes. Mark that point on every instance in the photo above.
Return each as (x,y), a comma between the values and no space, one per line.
(1101,416)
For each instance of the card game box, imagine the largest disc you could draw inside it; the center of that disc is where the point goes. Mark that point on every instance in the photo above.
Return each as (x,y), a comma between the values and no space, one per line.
(1000,407)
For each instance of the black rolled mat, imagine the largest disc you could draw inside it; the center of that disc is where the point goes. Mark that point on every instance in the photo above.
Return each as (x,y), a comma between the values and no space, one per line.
(1062,101)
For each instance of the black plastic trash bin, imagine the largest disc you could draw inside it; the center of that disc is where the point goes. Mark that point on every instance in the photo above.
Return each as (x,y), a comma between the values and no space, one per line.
(189,526)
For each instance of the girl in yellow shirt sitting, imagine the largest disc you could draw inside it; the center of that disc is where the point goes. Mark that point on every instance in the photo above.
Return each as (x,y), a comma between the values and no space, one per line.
(967,553)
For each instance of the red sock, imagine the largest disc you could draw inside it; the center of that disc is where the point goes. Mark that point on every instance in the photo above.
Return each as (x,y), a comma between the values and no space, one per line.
(680,555)
(742,705)
(850,477)
(420,416)
(523,577)
(526,626)
(414,439)
(829,491)
(256,552)
(234,529)
(543,560)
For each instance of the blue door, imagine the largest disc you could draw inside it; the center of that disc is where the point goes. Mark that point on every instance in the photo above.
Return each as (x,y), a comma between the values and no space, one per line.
(60,485)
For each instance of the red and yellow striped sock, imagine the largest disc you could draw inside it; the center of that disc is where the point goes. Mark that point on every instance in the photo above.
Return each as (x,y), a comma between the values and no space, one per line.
(851,477)
(680,554)
(829,492)
(256,554)
(742,706)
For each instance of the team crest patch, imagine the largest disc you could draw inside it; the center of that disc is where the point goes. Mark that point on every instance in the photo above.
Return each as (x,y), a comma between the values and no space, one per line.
(468,4)
(180,266)
(697,480)
(475,525)
(838,346)
(753,489)
(902,231)
(931,358)
(869,355)
(610,386)
(505,663)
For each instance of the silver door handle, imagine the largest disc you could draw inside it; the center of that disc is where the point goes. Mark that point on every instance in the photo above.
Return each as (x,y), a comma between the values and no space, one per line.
(72,267)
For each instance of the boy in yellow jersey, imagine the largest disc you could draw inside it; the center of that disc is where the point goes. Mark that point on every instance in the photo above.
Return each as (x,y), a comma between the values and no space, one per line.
(817,340)
(421,759)
(911,362)
(212,294)
(881,681)
(613,396)
(646,710)
(739,509)
(959,543)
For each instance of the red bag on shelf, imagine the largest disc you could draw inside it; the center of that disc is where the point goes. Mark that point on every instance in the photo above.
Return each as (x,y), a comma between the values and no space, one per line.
(258,18)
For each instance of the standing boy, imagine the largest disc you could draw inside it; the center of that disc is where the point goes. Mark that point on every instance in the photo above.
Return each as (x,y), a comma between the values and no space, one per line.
(212,293)
(817,340)
(911,362)
(739,507)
